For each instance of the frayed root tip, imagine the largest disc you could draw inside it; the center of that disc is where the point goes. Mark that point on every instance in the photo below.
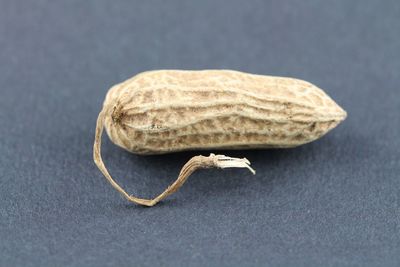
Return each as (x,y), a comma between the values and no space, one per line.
(222,161)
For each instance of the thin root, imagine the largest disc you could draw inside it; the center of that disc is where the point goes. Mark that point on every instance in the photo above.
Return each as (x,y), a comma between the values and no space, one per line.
(197,162)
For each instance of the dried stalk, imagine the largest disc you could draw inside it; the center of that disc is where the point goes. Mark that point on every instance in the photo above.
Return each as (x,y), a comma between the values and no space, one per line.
(195,163)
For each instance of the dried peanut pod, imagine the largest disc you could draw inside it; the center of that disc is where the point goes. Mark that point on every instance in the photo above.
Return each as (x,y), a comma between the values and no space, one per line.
(173,110)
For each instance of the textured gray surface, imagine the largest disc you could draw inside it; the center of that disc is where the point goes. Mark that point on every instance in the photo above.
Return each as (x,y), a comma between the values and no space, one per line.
(335,202)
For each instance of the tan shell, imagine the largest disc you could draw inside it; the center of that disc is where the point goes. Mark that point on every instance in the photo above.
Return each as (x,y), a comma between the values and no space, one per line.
(172,110)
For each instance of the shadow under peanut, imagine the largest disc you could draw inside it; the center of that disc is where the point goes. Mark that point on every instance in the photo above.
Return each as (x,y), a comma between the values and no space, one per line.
(147,176)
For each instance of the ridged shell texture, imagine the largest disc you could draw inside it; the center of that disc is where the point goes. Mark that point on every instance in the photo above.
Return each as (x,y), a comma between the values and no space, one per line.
(172,110)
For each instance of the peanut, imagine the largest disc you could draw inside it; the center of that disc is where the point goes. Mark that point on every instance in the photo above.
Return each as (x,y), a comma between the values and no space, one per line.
(166,111)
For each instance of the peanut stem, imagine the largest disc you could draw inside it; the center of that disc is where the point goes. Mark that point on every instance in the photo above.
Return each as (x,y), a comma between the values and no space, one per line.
(197,162)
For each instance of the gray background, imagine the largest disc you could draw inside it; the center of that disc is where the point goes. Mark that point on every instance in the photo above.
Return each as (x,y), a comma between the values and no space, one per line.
(334,202)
